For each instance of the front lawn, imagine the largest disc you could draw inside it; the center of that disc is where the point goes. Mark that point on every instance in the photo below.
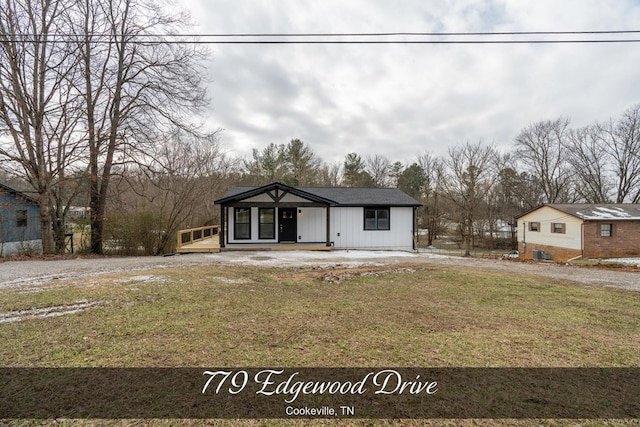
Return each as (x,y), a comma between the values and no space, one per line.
(400,316)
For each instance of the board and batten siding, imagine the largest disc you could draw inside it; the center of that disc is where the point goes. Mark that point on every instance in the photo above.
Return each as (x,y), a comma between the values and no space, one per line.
(347,230)
(312,225)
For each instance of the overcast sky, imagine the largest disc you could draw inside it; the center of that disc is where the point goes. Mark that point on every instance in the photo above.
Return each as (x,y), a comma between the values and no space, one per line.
(401,100)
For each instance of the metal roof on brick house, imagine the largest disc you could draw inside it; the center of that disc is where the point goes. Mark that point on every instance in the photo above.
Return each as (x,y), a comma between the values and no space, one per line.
(595,211)
(335,196)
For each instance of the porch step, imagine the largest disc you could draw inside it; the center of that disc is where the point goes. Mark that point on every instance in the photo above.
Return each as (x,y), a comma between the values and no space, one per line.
(297,247)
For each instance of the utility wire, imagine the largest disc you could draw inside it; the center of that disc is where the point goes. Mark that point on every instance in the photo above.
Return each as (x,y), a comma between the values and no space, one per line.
(329,38)
(389,34)
(416,34)
(329,42)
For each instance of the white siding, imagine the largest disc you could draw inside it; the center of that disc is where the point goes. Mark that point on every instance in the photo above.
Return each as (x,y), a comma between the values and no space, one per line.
(312,225)
(571,239)
(347,230)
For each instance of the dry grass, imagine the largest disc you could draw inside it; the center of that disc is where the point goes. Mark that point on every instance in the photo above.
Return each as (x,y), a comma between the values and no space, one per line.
(233,316)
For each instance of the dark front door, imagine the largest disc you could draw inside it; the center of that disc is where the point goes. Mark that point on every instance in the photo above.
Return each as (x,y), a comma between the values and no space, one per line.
(288,224)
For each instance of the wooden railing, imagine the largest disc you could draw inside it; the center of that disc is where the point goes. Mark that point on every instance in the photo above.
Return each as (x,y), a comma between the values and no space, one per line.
(192,235)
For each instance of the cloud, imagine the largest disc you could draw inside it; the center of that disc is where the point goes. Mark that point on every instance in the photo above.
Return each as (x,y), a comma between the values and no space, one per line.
(402,100)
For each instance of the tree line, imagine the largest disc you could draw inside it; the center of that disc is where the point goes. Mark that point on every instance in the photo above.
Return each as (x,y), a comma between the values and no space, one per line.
(98,110)
(88,89)
(475,188)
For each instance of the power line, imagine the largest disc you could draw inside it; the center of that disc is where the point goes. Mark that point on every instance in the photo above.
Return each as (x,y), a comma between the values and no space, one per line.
(354,42)
(329,38)
(380,34)
(416,34)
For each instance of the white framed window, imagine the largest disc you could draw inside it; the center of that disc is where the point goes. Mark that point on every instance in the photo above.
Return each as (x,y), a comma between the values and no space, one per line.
(606,230)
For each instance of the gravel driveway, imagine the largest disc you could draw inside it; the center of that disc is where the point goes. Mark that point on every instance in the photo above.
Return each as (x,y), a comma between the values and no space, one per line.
(32,273)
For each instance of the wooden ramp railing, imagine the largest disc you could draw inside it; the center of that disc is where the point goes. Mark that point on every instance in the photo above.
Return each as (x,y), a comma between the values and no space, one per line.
(200,239)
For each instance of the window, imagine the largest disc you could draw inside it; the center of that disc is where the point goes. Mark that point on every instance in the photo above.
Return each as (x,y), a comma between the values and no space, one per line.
(376,218)
(21,218)
(534,226)
(557,227)
(267,223)
(242,223)
(606,230)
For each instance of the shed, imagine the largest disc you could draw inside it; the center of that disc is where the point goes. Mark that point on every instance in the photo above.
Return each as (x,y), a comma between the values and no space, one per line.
(19,222)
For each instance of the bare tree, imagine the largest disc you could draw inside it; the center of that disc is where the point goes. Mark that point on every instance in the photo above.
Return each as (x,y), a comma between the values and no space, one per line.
(135,86)
(330,175)
(431,212)
(378,167)
(622,142)
(471,175)
(37,102)
(174,190)
(514,192)
(588,157)
(542,148)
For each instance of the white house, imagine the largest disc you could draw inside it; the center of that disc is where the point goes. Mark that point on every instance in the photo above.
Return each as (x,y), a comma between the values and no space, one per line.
(338,217)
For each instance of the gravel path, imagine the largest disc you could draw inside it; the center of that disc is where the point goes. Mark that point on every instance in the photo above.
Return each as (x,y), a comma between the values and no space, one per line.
(33,273)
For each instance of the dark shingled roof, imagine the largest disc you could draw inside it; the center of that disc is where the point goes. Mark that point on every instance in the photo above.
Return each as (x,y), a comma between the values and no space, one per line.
(344,196)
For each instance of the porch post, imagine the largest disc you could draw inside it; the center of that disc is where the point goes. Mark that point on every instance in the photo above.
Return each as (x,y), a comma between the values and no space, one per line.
(328,226)
(415,232)
(222,228)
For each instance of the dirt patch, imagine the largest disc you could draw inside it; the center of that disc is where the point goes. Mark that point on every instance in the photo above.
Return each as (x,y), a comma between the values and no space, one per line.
(616,266)
(229,280)
(44,312)
(143,279)
(337,277)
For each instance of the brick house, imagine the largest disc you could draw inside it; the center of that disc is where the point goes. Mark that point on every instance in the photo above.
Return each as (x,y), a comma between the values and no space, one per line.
(564,231)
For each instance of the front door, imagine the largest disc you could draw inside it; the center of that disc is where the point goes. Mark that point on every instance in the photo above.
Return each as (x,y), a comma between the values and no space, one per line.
(288,225)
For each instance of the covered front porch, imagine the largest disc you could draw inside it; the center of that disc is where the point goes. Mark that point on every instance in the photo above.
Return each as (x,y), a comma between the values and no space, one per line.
(274,217)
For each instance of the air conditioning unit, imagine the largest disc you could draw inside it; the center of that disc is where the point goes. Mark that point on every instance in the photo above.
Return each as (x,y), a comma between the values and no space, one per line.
(537,255)
(546,256)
